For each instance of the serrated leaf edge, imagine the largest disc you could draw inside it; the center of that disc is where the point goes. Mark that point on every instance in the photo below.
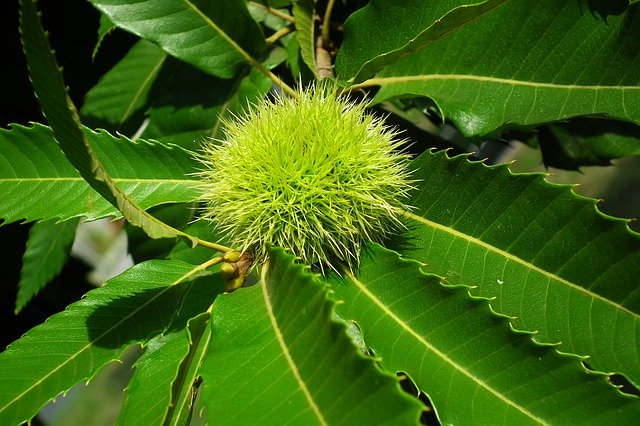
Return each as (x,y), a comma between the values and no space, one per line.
(509,256)
(462,287)
(363,289)
(196,271)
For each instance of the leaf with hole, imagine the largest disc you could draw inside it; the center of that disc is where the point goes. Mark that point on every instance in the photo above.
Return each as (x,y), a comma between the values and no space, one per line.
(465,357)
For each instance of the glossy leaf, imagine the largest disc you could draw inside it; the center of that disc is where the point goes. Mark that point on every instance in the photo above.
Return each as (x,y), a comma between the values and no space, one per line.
(304,12)
(186,106)
(552,261)
(73,345)
(216,37)
(364,52)
(38,183)
(523,65)
(279,357)
(149,391)
(162,371)
(473,366)
(123,90)
(47,252)
(51,92)
(294,57)
(184,407)
(64,120)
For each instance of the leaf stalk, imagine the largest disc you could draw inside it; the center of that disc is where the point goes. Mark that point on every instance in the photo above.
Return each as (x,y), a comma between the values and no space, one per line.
(326,24)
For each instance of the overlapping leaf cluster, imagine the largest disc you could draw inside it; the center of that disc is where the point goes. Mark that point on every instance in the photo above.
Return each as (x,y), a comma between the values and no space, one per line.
(499,295)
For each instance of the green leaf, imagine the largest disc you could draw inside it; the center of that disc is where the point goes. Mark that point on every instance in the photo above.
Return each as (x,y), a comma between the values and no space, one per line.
(216,37)
(561,268)
(184,402)
(586,142)
(148,394)
(277,55)
(186,105)
(521,66)
(163,370)
(64,120)
(73,345)
(142,248)
(292,45)
(51,92)
(123,90)
(364,52)
(47,252)
(38,183)
(198,333)
(304,12)
(280,357)
(268,15)
(106,27)
(473,367)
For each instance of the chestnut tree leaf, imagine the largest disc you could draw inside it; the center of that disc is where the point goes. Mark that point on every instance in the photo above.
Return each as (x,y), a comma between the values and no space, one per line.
(63,117)
(187,106)
(524,64)
(38,183)
(123,90)
(467,359)
(279,357)
(585,142)
(73,345)
(47,252)
(216,37)
(304,12)
(552,261)
(163,371)
(364,52)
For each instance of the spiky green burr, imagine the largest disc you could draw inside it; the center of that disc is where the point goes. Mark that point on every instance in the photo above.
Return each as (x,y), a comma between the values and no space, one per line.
(317,175)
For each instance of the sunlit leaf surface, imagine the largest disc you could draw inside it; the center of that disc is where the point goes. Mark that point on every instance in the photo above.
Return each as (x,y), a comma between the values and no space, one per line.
(210,35)
(280,357)
(524,64)
(73,345)
(555,263)
(467,359)
(38,183)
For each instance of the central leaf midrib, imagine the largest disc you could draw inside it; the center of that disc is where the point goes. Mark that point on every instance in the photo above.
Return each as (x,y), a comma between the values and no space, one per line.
(382,81)
(508,256)
(148,80)
(80,179)
(285,350)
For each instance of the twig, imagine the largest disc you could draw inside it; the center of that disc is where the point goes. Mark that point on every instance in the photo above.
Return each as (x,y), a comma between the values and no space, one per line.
(324,65)
(279,34)
(273,11)
(326,24)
